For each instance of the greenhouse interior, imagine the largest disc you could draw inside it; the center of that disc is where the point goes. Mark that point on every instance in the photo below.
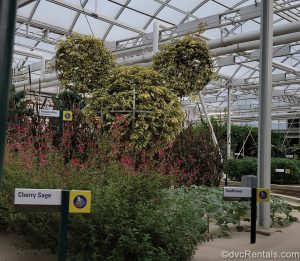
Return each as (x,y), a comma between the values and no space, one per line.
(149,130)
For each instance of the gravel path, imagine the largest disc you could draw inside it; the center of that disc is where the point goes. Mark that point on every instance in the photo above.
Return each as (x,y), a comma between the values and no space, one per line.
(12,249)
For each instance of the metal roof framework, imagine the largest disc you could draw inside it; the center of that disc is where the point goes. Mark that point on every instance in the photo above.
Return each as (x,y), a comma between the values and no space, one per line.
(232,29)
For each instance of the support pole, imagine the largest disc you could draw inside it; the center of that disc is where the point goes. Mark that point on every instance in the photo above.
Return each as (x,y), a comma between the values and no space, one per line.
(229,123)
(63,228)
(228,129)
(8,10)
(61,125)
(253,216)
(265,99)
(213,135)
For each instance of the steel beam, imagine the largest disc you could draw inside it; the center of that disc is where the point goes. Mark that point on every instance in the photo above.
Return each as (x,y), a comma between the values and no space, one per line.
(23,3)
(103,18)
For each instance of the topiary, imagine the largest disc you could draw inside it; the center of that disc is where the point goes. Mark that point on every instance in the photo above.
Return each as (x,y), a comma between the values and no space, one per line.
(186,65)
(158,114)
(83,63)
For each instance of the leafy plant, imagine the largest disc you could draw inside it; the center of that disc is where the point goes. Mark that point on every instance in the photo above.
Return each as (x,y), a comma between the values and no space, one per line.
(83,63)
(68,100)
(186,65)
(137,109)
(193,159)
(278,207)
(17,106)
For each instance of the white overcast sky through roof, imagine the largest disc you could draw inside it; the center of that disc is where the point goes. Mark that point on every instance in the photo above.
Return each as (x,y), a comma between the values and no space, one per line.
(140,14)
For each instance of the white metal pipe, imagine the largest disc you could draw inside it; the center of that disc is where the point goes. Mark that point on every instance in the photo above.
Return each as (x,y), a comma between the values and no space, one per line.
(285,66)
(255,116)
(278,40)
(155,44)
(242,47)
(46,78)
(34,87)
(253,35)
(155,36)
(147,57)
(35,55)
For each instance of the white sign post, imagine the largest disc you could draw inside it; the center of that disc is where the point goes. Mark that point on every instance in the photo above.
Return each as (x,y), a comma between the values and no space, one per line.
(49,113)
(237,193)
(43,197)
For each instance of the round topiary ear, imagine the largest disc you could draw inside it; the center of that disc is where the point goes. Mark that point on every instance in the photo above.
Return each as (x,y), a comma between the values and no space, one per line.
(186,65)
(83,64)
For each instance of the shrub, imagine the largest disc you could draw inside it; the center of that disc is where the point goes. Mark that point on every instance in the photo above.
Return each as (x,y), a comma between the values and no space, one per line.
(282,178)
(158,113)
(131,218)
(236,168)
(193,159)
(83,63)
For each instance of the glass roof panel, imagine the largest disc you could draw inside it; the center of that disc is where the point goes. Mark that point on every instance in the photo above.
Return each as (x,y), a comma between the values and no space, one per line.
(228,3)
(149,8)
(212,33)
(98,28)
(187,5)
(55,15)
(228,70)
(137,13)
(20,39)
(104,7)
(131,17)
(49,47)
(26,10)
(171,15)
(150,26)
(209,8)
(247,27)
(118,33)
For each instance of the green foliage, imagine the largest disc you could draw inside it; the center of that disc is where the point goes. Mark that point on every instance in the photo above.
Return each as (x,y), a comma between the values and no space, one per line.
(236,168)
(247,135)
(186,65)
(158,115)
(68,100)
(134,216)
(17,106)
(83,63)
(131,219)
(281,212)
(282,178)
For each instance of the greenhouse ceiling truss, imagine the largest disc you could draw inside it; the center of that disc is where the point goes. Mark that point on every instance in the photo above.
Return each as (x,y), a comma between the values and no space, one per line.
(235,49)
